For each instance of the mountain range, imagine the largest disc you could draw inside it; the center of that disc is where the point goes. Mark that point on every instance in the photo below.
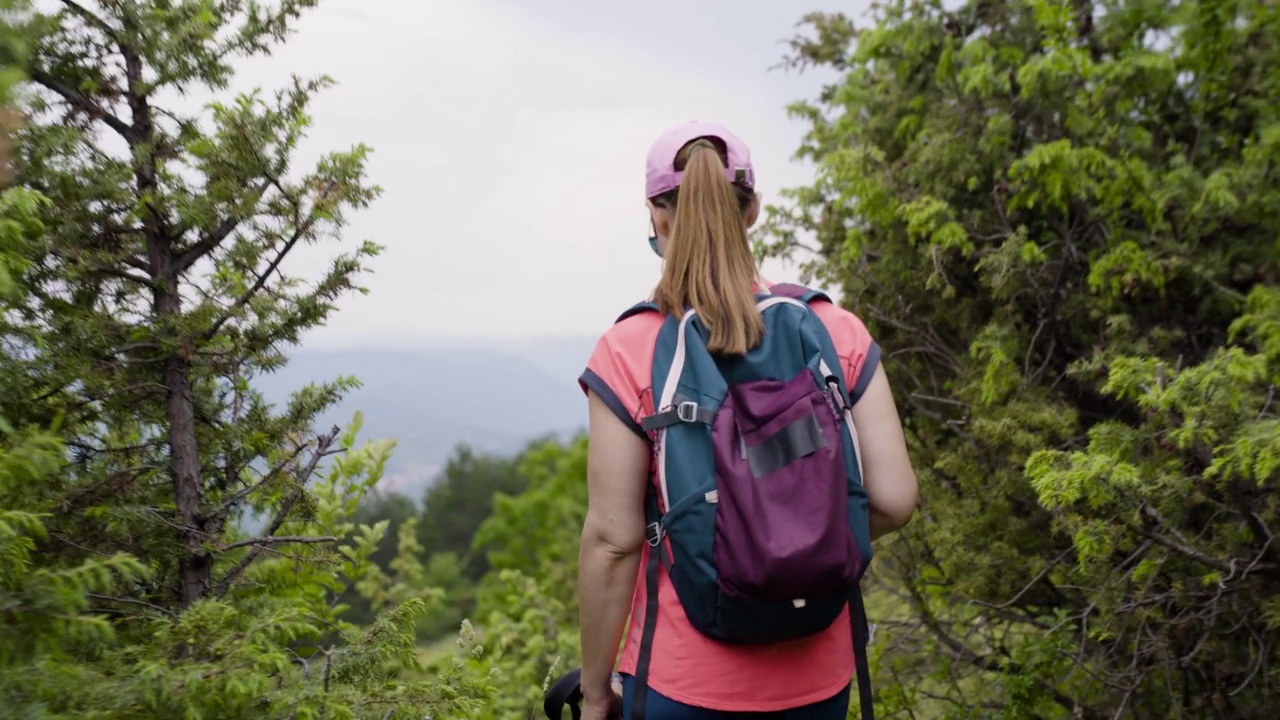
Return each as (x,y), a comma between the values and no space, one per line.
(492,395)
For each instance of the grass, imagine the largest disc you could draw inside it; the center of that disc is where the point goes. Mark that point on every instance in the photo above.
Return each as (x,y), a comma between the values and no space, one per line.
(430,652)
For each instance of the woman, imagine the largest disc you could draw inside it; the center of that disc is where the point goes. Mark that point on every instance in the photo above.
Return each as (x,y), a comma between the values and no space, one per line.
(701,199)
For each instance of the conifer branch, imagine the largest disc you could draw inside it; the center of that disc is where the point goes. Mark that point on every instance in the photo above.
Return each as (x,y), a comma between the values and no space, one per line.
(274,539)
(82,102)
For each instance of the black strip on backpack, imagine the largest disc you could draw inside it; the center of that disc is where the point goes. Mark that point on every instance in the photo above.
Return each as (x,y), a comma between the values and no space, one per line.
(861,632)
(798,439)
(654,516)
(646,636)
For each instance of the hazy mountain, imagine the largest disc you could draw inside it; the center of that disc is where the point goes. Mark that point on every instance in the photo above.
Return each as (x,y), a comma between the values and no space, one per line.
(495,396)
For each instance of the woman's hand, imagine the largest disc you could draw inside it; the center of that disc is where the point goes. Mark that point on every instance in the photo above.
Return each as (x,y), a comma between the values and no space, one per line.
(606,706)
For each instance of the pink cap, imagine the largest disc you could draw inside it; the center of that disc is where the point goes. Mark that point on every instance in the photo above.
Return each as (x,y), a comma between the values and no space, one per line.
(660,171)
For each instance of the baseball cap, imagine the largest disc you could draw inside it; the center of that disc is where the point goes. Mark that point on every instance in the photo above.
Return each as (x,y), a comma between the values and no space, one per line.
(660,171)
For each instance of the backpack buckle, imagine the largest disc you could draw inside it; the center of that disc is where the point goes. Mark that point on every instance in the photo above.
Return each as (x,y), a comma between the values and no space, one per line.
(687,411)
(833,388)
(653,534)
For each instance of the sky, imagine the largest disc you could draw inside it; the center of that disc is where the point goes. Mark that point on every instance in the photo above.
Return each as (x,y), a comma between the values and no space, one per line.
(509,138)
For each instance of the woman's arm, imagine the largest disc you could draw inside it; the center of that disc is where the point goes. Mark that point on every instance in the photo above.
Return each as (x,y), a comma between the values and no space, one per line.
(612,537)
(887,474)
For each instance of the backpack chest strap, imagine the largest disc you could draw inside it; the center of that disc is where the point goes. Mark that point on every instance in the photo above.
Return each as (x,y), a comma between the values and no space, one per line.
(684,411)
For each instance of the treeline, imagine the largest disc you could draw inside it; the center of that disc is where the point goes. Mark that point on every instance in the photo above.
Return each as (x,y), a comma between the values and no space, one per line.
(448,523)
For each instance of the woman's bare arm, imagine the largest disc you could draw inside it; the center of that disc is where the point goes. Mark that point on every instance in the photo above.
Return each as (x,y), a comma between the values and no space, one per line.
(887,473)
(612,537)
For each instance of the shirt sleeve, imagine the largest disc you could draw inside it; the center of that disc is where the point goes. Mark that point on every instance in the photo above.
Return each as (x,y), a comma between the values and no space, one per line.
(859,352)
(608,375)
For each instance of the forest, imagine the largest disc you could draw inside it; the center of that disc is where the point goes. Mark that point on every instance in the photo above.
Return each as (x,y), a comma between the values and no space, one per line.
(1059,218)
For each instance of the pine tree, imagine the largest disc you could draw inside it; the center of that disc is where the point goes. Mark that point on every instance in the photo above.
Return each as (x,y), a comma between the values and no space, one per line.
(152,239)
(161,289)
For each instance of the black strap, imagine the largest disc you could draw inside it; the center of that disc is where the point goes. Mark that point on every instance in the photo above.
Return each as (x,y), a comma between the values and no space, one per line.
(566,691)
(680,412)
(646,636)
(656,559)
(861,636)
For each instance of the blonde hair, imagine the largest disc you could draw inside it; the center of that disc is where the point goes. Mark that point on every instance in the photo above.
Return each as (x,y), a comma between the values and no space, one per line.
(708,262)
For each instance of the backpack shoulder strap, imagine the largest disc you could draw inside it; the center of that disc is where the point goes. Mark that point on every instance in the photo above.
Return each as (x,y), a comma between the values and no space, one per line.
(861,628)
(798,292)
(640,307)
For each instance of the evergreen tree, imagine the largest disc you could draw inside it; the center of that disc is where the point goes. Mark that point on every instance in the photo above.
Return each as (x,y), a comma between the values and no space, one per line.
(149,240)
(1060,219)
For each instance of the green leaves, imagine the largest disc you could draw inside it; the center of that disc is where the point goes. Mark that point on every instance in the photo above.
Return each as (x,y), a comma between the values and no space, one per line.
(1057,220)
(171,544)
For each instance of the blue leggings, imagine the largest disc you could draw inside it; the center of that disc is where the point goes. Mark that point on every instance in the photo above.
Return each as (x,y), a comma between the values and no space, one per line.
(657,707)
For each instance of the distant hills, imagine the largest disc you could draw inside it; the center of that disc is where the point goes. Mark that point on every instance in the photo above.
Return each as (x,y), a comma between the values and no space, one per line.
(492,395)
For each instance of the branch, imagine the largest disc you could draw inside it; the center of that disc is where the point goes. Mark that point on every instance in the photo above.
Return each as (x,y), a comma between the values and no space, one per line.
(121,275)
(302,229)
(130,601)
(93,19)
(82,101)
(1027,588)
(235,499)
(206,244)
(1179,545)
(1010,669)
(137,264)
(107,270)
(322,445)
(260,541)
(328,666)
(983,662)
(260,282)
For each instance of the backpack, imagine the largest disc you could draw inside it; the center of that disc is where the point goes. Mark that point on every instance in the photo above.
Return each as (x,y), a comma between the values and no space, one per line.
(759,501)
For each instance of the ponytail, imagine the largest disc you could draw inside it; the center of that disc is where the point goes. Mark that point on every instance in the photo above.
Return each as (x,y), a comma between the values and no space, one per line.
(708,262)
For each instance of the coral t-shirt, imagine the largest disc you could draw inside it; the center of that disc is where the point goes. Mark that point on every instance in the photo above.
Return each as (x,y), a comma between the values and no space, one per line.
(685,665)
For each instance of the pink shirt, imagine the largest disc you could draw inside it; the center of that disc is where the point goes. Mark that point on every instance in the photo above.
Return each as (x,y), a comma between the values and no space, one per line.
(686,665)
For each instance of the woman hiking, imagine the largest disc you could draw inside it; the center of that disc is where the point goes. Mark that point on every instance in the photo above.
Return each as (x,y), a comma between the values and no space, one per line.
(744,450)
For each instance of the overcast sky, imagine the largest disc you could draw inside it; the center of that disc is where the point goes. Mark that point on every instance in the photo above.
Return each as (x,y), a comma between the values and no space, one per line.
(509,137)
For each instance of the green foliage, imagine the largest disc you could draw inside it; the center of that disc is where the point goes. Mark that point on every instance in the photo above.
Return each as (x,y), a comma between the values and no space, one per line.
(460,499)
(455,507)
(527,603)
(382,517)
(537,531)
(1060,221)
(142,249)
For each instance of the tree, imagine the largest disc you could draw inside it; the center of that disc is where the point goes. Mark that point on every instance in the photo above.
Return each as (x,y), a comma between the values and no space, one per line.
(154,294)
(527,607)
(439,571)
(41,609)
(1060,221)
(460,499)
(536,531)
(162,288)
(397,509)
(376,507)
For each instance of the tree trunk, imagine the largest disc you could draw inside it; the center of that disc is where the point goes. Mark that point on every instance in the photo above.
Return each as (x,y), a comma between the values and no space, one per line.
(195,566)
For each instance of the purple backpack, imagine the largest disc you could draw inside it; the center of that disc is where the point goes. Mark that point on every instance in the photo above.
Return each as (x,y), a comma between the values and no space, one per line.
(759,491)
